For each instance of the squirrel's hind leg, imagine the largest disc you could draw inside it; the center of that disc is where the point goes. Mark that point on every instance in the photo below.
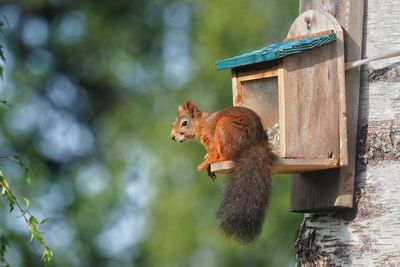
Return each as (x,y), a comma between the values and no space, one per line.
(211,156)
(229,138)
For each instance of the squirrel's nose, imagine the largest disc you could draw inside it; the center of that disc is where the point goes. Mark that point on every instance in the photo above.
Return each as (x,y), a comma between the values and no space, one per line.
(173,137)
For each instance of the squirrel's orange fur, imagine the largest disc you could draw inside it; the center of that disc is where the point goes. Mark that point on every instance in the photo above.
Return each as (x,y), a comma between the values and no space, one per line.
(234,133)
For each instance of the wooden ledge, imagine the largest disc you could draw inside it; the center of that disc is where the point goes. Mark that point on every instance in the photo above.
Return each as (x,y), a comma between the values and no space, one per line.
(222,166)
(284,165)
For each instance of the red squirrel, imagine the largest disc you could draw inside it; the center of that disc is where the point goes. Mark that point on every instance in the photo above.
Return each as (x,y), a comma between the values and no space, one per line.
(234,133)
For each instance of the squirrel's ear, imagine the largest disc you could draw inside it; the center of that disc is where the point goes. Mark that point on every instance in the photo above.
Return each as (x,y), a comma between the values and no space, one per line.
(181,108)
(191,107)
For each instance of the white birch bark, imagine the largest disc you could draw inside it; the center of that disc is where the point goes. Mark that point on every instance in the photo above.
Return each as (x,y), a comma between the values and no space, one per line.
(369,235)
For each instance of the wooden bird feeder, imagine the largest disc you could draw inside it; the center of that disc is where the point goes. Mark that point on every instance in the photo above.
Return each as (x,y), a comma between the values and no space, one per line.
(297,87)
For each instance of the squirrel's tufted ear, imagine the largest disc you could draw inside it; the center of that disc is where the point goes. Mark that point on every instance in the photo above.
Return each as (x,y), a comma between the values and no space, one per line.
(181,108)
(192,108)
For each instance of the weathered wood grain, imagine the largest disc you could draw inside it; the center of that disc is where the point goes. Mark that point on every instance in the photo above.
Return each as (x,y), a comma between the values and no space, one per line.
(282,165)
(282,113)
(222,166)
(334,188)
(313,93)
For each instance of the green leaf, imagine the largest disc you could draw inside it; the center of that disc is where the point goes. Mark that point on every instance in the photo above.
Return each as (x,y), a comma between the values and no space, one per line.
(33,221)
(47,256)
(11,200)
(43,221)
(34,232)
(4,182)
(27,202)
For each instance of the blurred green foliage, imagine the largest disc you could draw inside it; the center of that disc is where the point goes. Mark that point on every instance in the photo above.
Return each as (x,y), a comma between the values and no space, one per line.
(32,223)
(94,87)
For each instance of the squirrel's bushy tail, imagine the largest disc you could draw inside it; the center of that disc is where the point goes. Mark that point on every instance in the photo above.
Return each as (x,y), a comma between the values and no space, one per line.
(245,196)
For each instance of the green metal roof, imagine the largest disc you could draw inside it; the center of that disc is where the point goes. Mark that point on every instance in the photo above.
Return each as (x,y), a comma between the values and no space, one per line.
(276,51)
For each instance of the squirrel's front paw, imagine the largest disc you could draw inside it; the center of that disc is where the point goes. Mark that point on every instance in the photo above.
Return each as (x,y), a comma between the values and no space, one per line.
(202,166)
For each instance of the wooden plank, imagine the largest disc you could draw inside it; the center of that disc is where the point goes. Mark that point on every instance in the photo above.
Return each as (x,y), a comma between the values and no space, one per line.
(253,75)
(307,35)
(341,90)
(310,24)
(311,117)
(334,189)
(237,97)
(283,165)
(295,165)
(282,114)
(222,166)
(312,88)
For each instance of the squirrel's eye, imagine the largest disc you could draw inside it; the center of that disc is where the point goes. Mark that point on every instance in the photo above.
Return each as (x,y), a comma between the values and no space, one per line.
(184,123)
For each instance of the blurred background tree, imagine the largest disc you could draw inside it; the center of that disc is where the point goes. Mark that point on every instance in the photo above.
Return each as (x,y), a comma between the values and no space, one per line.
(94,86)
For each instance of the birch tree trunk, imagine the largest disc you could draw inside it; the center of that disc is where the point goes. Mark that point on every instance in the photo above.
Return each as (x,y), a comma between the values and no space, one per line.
(369,235)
